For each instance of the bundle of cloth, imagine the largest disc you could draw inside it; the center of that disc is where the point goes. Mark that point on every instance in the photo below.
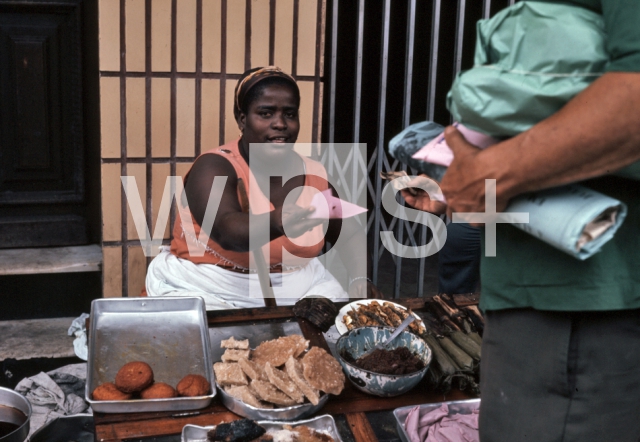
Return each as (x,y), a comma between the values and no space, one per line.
(441,425)
(507,92)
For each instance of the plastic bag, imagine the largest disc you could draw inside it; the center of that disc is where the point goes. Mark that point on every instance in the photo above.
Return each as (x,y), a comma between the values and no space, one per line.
(518,78)
(412,139)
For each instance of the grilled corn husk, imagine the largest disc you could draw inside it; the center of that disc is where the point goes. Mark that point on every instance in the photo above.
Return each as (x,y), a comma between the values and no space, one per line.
(458,355)
(467,344)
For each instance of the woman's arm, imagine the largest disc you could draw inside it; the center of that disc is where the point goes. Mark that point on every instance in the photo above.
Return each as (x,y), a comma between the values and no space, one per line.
(231,225)
(596,133)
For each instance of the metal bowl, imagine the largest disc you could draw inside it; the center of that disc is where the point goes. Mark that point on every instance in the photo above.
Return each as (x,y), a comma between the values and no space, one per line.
(359,340)
(15,409)
(272,414)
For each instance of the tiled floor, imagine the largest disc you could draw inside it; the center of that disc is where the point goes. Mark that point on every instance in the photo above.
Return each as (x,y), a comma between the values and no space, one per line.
(36,338)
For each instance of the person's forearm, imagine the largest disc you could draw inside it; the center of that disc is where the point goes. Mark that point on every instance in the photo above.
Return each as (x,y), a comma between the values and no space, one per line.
(237,228)
(596,133)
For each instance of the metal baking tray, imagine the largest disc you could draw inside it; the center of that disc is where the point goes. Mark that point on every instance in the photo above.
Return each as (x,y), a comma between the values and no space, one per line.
(455,407)
(272,414)
(168,333)
(325,423)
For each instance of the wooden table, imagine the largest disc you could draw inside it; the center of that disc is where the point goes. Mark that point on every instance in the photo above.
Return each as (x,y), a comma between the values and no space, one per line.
(351,403)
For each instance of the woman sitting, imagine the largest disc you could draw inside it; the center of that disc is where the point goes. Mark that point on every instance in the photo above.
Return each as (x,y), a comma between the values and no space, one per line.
(221,270)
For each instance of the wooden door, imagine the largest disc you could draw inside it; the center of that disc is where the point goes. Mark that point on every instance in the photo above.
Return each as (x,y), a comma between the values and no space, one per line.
(43,187)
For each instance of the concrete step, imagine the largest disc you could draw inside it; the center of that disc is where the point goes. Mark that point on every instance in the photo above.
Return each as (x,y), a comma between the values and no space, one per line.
(36,338)
(51,260)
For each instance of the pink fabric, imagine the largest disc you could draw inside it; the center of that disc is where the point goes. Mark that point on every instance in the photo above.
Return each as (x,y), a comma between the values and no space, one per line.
(438,426)
(438,152)
(329,207)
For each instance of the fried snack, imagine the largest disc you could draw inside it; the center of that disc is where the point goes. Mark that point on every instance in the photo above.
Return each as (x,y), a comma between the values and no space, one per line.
(243,393)
(232,343)
(277,351)
(268,392)
(109,392)
(253,370)
(233,355)
(322,371)
(242,430)
(281,380)
(134,376)
(158,390)
(228,373)
(193,385)
(294,370)
(373,314)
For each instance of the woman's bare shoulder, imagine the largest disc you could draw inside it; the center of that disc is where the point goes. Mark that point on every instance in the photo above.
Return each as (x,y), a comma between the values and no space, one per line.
(208,166)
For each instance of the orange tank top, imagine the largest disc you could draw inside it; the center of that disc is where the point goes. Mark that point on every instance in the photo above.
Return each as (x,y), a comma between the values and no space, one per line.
(298,251)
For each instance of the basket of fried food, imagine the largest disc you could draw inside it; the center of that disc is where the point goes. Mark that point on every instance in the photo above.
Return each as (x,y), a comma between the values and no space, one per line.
(281,379)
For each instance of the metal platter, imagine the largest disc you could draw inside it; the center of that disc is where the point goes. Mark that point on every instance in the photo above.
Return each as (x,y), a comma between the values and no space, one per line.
(342,327)
(271,414)
(325,424)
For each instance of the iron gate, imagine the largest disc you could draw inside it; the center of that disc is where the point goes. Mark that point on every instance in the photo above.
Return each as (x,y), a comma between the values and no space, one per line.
(398,57)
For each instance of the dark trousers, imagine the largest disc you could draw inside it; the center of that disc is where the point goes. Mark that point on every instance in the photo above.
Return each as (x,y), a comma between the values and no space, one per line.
(459,260)
(558,376)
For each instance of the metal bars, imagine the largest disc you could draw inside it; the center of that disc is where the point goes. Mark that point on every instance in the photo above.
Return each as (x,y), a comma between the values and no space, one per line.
(435,48)
(380,140)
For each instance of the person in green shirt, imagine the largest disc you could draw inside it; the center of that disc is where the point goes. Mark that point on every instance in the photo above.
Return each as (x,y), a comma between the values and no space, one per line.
(561,348)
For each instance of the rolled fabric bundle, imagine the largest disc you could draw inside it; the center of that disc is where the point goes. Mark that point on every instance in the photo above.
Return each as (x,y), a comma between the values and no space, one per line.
(518,80)
(574,219)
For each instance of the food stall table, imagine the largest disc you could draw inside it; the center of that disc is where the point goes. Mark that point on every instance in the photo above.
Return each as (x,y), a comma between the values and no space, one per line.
(360,417)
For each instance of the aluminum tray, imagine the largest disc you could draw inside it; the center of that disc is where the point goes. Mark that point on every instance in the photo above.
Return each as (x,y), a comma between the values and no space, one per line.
(170,334)
(455,407)
(270,414)
(325,423)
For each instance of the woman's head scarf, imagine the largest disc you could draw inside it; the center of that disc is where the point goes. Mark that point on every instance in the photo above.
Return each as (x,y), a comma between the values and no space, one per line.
(252,77)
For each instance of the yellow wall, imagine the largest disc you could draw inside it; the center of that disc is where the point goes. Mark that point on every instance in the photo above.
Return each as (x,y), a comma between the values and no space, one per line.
(166,84)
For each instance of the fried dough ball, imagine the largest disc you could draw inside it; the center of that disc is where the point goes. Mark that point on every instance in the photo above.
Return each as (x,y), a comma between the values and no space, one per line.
(193,385)
(158,390)
(134,376)
(109,392)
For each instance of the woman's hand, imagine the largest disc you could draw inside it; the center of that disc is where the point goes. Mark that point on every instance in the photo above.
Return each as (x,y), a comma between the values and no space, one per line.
(421,199)
(295,222)
(363,288)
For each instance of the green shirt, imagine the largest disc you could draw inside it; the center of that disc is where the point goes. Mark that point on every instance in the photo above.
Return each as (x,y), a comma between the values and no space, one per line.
(529,273)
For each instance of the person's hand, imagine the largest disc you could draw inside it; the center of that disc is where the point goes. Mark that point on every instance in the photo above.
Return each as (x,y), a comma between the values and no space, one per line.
(295,222)
(421,200)
(363,288)
(464,183)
